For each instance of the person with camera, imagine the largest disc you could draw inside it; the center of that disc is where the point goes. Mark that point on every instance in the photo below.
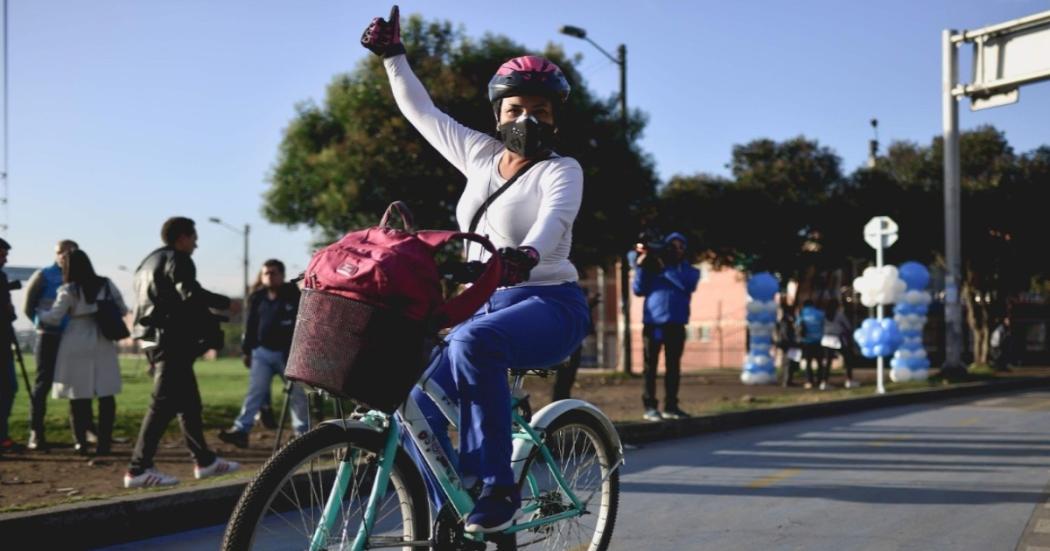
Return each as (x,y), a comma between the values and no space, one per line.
(41,291)
(86,365)
(174,324)
(268,326)
(8,378)
(667,280)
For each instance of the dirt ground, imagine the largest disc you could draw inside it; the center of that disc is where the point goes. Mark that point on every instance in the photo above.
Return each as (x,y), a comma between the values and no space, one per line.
(32,479)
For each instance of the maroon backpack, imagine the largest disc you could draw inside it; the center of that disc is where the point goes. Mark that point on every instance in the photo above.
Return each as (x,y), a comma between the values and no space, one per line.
(371,307)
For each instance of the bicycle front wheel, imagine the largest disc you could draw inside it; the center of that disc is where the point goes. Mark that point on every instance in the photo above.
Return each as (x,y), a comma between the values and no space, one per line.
(284,506)
(583,453)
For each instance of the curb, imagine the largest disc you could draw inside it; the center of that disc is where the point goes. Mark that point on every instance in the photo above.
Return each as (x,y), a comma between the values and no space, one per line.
(642,432)
(128,518)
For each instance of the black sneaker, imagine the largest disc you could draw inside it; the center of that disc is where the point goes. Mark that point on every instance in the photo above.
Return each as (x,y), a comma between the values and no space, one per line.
(495,510)
(235,437)
(674,413)
(265,416)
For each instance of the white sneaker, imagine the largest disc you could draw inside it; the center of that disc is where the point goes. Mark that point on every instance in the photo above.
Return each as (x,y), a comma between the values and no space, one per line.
(652,414)
(823,386)
(852,384)
(149,478)
(218,467)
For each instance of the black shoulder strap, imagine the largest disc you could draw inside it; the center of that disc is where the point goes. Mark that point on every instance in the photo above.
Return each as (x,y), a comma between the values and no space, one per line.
(484,206)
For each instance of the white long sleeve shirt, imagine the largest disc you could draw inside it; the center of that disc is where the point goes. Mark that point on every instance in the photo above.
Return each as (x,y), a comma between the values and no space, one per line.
(536,211)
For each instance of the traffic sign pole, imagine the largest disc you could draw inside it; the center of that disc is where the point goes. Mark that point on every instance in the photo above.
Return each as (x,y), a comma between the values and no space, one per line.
(880,232)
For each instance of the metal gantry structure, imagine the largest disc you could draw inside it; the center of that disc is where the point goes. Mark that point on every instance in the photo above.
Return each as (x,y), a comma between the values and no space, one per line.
(1006,56)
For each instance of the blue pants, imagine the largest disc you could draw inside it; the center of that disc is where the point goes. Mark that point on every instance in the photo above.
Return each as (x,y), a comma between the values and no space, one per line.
(8,387)
(520,327)
(265,364)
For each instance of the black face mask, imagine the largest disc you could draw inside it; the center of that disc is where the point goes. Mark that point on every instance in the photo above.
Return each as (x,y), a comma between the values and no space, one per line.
(527,137)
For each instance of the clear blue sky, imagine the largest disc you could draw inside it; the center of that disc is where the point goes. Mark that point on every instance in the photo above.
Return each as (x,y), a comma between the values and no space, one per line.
(123,113)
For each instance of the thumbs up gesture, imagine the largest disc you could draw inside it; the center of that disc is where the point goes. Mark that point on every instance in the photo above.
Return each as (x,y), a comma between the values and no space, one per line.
(383,36)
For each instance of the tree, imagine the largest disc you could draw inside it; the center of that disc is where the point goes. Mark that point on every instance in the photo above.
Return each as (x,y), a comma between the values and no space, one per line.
(340,163)
(770,216)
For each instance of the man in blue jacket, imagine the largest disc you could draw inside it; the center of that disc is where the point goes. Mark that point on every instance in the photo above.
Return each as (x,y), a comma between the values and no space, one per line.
(40,295)
(666,279)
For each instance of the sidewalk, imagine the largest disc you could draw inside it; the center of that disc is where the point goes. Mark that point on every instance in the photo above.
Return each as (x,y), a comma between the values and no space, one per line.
(132,515)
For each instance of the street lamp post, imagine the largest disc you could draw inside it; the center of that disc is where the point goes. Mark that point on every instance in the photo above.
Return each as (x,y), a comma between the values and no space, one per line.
(245,232)
(625,269)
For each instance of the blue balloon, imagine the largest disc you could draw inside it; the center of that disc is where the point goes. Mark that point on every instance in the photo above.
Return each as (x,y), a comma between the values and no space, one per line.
(762,286)
(915,275)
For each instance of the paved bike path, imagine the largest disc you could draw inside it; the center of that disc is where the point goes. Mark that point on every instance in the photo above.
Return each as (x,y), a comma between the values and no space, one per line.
(967,475)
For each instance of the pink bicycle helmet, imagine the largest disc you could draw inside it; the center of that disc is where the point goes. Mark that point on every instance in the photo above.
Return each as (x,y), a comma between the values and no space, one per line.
(529,75)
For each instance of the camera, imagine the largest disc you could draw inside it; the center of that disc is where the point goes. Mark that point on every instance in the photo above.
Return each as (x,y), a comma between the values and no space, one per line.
(653,245)
(651,242)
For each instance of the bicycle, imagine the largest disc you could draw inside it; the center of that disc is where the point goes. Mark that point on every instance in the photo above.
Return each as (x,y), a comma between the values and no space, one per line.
(349,483)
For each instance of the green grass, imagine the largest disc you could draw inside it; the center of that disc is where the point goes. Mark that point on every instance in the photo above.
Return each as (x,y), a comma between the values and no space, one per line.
(222,383)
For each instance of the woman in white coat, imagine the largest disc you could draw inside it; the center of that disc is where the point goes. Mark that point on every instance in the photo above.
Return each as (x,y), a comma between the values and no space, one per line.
(87,366)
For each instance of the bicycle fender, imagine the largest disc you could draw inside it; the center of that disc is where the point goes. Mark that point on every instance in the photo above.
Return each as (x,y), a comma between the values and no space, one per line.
(543,419)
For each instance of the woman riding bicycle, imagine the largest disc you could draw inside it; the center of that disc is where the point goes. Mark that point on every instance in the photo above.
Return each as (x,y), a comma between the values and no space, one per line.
(539,315)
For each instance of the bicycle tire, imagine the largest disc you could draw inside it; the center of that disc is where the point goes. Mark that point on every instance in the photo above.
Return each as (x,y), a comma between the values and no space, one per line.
(279,482)
(553,536)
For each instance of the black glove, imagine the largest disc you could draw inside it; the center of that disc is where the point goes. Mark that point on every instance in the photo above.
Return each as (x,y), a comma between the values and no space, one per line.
(517,263)
(462,272)
(384,37)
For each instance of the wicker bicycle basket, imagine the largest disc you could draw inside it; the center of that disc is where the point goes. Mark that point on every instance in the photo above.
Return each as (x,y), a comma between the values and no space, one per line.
(354,350)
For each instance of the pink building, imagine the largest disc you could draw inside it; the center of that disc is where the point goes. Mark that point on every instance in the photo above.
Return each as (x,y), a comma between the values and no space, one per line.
(716,335)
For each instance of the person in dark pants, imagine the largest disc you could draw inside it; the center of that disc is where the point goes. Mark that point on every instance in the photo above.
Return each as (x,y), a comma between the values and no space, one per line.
(565,374)
(667,281)
(40,295)
(811,331)
(174,325)
(8,379)
(1002,346)
(268,327)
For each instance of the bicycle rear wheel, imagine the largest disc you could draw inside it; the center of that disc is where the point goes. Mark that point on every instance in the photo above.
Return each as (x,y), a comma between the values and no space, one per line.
(284,505)
(584,454)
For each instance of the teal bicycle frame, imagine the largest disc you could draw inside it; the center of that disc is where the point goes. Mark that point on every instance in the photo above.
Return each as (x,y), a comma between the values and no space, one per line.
(411,419)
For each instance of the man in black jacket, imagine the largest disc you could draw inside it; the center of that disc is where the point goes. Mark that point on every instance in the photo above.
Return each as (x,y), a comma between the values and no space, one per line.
(269,323)
(8,378)
(174,325)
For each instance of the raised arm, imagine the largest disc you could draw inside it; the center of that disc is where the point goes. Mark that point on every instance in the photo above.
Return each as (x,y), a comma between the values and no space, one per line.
(457,143)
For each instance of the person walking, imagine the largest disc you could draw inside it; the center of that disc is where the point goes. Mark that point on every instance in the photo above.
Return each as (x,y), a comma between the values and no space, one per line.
(667,281)
(837,330)
(41,291)
(8,378)
(173,323)
(268,327)
(811,331)
(86,364)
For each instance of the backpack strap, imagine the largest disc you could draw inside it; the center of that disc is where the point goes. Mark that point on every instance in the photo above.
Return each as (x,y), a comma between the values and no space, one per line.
(460,307)
(488,201)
